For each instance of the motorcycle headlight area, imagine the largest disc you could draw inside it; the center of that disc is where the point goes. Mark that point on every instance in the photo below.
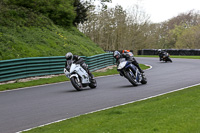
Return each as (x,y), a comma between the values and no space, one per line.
(121,65)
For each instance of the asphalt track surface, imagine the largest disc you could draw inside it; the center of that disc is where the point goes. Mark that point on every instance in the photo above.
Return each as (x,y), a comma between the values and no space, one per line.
(30,107)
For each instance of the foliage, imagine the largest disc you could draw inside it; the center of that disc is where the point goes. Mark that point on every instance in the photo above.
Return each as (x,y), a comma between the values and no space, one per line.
(11,16)
(61,12)
(23,42)
(175,33)
(189,39)
(25,33)
(117,29)
(81,12)
(82,8)
(167,35)
(114,28)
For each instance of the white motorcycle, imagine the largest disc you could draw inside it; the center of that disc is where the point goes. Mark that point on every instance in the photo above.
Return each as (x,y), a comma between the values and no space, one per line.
(79,77)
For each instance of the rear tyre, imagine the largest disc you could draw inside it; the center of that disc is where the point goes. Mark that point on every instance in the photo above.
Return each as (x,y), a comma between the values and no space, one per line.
(170,59)
(77,85)
(93,84)
(144,80)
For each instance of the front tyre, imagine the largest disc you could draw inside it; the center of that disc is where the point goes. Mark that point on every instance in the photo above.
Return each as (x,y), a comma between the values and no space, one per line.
(131,79)
(77,85)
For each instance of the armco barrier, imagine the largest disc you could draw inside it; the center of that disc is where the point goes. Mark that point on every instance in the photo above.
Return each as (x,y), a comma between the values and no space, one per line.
(100,61)
(170,51)
(40,66)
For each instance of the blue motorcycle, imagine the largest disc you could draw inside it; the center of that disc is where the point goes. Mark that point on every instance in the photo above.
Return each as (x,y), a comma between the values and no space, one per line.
(131,72)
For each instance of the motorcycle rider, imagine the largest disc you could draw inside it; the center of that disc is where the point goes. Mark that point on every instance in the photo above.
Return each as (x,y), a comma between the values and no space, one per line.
(77,60)
(129,57)
(161,53)
(128,52)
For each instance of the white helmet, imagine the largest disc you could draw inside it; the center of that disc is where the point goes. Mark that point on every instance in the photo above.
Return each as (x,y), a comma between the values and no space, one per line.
(69,56)
(116,54)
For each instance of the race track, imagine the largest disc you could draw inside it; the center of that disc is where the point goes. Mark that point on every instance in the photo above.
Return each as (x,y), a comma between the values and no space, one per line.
(34,106)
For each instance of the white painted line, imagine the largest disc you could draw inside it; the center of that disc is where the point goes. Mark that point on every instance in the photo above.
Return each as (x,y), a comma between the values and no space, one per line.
(150,67)
(112,107)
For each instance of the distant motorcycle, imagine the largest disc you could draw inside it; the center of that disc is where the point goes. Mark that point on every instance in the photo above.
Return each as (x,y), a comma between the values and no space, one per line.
(165,57)
(131,72)
(79,77)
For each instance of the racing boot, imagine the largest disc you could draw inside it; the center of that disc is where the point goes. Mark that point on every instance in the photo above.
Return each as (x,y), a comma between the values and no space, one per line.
(91,77)
(90,74)
(141,71)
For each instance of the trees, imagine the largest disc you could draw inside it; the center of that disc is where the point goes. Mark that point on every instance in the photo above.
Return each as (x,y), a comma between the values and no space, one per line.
(115,28)
(183,26)
(173,33)
(81,12)
(189,38)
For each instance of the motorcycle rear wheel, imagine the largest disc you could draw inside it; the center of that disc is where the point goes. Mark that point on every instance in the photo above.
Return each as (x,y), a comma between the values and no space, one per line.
(77,85)
(170,59)
(93,84)
(144,80)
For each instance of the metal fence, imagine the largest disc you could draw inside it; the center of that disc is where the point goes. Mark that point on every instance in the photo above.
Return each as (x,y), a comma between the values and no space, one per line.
(40,66)
(170,51)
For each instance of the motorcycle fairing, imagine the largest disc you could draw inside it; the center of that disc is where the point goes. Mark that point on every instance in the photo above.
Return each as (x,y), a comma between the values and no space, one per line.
(82,73)
(134,70)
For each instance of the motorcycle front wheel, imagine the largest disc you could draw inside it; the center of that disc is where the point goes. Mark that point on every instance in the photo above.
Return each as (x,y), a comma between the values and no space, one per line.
(131,79)
(77,85)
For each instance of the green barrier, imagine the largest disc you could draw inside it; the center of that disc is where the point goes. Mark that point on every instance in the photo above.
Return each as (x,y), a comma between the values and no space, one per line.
(40,66)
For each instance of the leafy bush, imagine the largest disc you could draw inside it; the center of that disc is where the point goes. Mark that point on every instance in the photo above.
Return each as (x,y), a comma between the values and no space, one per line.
(19,16)
(61,12)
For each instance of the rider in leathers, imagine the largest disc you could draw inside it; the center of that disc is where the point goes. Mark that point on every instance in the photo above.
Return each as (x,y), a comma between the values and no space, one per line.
(131,58)
(128,57)
(77,60)
(161,53)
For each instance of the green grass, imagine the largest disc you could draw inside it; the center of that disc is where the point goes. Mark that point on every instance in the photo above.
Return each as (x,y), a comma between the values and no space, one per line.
(25,33)
(172,56)
(61,78)
(177,112)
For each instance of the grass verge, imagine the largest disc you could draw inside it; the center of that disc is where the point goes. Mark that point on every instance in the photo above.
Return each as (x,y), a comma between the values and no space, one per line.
(61,78)
(174,112)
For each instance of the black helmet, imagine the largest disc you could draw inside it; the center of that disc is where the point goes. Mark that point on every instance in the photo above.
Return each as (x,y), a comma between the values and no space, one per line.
(69,56)
(125,51)
(116,54)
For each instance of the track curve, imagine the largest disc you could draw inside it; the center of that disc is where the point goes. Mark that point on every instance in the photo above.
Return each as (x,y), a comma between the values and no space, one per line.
(34,106)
